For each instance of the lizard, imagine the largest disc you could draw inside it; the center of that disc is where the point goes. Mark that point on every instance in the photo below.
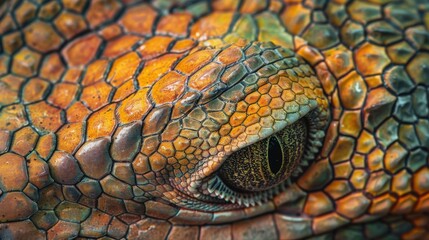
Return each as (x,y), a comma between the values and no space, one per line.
(244,119)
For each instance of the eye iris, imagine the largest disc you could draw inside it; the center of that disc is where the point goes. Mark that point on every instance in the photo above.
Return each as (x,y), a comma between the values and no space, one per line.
(275,155)
(266,163)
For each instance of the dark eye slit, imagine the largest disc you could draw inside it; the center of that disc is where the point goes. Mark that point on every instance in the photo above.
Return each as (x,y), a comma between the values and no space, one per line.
(275,155)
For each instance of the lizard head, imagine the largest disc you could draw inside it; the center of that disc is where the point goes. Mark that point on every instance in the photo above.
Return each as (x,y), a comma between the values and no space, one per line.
(243,123)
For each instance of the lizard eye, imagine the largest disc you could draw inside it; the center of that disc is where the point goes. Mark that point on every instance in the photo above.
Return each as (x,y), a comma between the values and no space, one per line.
(256,173)
(266,163)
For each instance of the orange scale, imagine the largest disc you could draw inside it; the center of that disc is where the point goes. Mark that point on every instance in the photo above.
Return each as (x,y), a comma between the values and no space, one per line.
(420,181)
(254,129)
(296,18)
(76,6)
(230,55)
(123,68)
(5,137)
(134,107)
(26,62)
(224,5)
(24,140)
(111,31)
(70,24)
(13,176)
(401,183)
(166,149)
(264,100)
(264,111)
(183,45)
(141,164)
(52,67)
(352,90)
(96,95)
(49,10)
(423,204)
(371,59)
(382,204)
(12,117)
(102,122)
(297,88)
(353,205)
(77,112)
(264,89)
(124,90)
(338,188)
(350,123)
(72,75)
(252,6)
(34,90)
(250,120)
(139,19)
(7,24)
(181,144)
(42,37)
(276,103)
(343,149)
(205,76)
(237,119)
(213,25)
(310,54)
(168,88)
(288,96)
(157,162)
(63,94)
(95,72)
(317,204)
(120,45)
(82,50)
(252,97)
(343,170)
(196,60)
(101,11)
(69,137)
(339,60)
(38,171)
(275,91)
(9,87)
(153,69)
(175,24)
(44,117)
(235,132)
(405,204)
(154,47)
(284,82)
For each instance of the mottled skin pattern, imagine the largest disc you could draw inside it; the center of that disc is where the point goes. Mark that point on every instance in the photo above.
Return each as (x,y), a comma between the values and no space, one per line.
(115,115)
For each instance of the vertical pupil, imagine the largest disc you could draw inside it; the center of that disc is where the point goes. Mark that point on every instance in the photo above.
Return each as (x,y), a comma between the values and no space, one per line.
(275,155)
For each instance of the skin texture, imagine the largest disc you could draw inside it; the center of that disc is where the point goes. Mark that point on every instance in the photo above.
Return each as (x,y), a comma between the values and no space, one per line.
(114,116)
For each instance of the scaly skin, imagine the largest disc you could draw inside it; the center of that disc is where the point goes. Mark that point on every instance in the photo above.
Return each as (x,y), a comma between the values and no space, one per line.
(115,115)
